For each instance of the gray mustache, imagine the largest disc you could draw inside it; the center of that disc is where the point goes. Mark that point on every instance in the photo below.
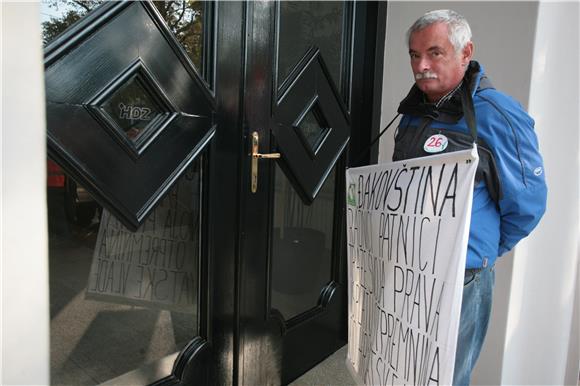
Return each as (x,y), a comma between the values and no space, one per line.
(425,75)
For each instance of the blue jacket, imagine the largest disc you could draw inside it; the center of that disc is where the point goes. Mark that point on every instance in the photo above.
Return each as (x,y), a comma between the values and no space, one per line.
(509,197)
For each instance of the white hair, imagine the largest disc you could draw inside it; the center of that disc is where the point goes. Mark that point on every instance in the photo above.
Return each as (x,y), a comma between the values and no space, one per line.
(459,31)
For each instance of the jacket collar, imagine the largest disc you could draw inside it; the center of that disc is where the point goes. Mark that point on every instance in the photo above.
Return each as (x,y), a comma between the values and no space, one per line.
(450,110)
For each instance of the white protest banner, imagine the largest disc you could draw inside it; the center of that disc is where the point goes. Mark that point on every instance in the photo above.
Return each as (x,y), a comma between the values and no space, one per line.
(156,266)
(407,232)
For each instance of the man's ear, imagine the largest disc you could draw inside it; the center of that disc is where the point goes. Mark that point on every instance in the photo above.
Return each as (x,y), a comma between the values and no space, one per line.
(467,53)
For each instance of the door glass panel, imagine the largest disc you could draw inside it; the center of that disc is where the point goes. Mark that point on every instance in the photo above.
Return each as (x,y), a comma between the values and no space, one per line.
(133,108)
(185,18)
(313,128)
(58,15)
(302,246)
(304,24)
(122,304)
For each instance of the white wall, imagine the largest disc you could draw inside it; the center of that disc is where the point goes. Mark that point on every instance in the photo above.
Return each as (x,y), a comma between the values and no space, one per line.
(534,72)
(24,257)
(539,329)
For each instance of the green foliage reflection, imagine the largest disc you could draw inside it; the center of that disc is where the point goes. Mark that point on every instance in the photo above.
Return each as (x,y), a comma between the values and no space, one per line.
(183,17)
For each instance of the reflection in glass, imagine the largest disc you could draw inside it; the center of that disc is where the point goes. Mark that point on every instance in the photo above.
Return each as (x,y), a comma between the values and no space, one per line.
(58,15)
(122,303)
(313,128)
(132,108)
(185,18)
(302,246)
(304,24)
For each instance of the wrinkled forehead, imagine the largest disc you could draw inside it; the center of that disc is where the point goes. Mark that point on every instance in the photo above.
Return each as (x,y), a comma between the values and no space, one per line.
(432,36)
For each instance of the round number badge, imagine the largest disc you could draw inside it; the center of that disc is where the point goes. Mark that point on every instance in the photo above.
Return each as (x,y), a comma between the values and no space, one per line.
(435,143)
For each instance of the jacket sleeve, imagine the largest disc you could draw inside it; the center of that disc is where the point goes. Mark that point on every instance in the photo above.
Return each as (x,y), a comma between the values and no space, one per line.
(519,163)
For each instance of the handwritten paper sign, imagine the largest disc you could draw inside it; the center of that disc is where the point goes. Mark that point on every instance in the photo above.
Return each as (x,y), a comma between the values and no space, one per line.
(407,232)
(156,266)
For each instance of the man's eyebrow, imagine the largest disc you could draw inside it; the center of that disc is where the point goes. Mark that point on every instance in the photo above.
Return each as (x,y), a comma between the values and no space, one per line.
(435,48)
(432,48)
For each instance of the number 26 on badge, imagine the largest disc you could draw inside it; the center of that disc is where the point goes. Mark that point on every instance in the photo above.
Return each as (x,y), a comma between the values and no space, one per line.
(435,143)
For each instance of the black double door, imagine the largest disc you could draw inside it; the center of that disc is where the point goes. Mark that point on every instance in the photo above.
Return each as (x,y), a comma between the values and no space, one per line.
(235,139)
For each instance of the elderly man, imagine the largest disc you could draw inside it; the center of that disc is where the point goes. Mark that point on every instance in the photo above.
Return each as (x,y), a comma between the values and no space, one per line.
(453,98)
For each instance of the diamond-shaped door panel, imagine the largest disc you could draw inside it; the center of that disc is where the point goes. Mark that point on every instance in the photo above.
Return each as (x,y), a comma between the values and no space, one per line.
(311,127)
(133,108)
(126,110)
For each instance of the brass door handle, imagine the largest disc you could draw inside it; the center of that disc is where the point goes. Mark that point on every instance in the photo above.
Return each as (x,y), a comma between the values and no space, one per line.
(256,155)
(268,155)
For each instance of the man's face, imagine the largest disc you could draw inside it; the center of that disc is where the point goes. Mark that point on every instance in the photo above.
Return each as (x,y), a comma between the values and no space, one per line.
(436,66)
